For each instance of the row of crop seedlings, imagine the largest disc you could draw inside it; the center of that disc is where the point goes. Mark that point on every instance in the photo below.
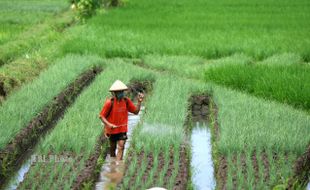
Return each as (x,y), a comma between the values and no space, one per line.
(261,137)
(159,153)
(258,155)
(74,143)
(30,112)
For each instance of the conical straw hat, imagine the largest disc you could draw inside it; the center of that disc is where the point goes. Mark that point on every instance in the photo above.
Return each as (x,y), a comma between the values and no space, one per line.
(118,85)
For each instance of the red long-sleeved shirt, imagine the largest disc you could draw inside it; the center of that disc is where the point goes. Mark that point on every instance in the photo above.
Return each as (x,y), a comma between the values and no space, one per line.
(118,114)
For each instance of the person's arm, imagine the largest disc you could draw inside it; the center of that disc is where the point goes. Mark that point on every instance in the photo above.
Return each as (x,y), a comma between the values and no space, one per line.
(106,122)
(104,112)
(138,107)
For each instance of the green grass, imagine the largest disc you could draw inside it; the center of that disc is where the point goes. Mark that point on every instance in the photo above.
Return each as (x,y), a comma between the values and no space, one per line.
(210,29)
(286,83)
(17,111)
(17,16)
(191,67)
(36,37)
(249,122)
(30,33)
(36,49)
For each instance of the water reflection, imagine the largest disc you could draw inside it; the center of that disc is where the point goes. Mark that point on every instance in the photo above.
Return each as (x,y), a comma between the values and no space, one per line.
(112,171)
(201,162)
(19,177)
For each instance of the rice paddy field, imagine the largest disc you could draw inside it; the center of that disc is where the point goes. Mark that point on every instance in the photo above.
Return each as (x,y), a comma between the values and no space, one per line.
(242,68)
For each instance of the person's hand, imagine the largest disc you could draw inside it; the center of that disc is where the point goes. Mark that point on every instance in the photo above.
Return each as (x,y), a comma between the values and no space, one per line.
(106,134)
(112,126)
(140,97)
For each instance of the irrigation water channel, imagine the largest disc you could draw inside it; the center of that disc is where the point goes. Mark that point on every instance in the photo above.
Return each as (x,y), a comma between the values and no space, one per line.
(201,162)
(112,171)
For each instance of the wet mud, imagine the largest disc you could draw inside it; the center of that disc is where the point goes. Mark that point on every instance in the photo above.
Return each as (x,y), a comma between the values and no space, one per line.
(301,171)
(200,108)
(12,156)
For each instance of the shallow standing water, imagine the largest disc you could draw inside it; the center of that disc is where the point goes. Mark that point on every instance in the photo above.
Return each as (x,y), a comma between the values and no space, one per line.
(201,162)
(19,176)
(112,171)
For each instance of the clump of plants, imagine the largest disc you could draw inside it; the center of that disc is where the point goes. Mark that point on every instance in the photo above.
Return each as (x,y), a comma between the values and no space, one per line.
(85,8)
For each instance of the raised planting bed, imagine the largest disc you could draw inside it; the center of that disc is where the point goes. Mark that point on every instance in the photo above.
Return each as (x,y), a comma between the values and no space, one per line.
(256,165)
(17,148)
(20,108)
(146,169)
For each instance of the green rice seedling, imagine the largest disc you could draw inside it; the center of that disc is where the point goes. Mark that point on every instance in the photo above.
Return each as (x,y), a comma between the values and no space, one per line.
(37,25)
(171,182)
(206,29)
(261,183)
(268,124)
(240,176)
(125,182)
(65,171)
(132,166)
(18,15)
(272,168)
(176,160)
(282,59)
(142,168)
(230,172)
(38,94)
(130,171)
(185,66)
(284,83)
(150,178)
(250,170)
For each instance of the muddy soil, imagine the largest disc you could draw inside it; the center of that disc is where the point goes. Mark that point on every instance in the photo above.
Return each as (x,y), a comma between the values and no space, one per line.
(15,152)
(183,174)
(301,170)
(200,108)
(264,158)
(2,91)
(221,173)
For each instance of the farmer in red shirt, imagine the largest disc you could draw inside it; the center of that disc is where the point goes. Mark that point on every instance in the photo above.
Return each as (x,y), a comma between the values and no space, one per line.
(114,115)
